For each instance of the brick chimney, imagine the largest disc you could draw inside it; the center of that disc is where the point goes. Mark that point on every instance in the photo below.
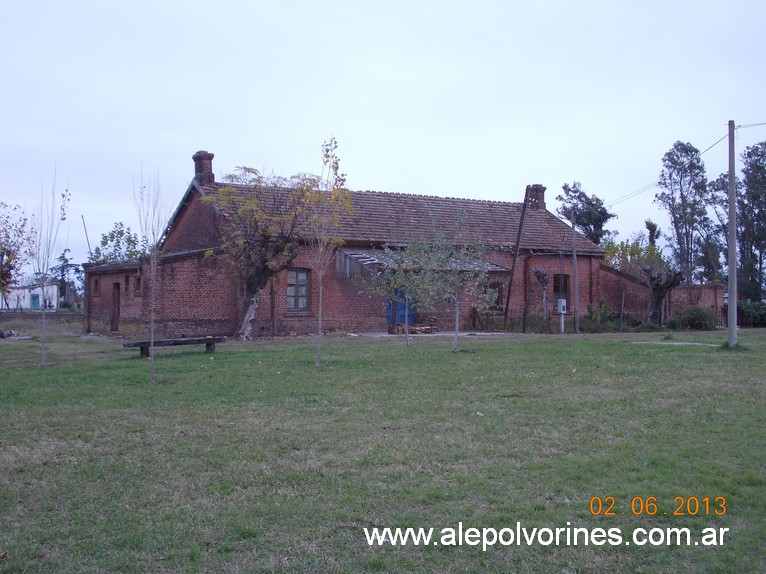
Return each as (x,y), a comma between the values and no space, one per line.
(536,196)
(203,167)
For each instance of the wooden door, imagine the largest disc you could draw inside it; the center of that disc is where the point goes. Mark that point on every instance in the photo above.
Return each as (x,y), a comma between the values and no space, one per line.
(115,307)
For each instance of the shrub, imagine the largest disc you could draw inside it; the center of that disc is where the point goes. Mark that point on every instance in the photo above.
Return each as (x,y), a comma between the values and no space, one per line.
(601,319)
(696,318)
(751,314)
(647,328)
(603,312)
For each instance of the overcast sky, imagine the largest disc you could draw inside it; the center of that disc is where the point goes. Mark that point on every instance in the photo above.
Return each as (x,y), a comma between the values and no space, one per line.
(470,98)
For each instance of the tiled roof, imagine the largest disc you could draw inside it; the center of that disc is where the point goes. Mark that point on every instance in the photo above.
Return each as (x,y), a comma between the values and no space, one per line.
(112,266)
(382,217)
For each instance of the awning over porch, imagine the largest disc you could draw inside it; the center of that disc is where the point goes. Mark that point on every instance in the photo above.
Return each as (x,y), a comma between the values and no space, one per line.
(350,262)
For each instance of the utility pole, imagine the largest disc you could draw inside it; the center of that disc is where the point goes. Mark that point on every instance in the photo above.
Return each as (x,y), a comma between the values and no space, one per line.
(576,306)
(732,305)
(515,257)
(86,235)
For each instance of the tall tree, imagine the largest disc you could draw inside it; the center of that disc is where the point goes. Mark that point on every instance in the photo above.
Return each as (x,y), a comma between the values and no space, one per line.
(685,198)
(754,216)
(709,250)
(719,204)
(591,215)
(16,247)
(653,232)
(751,219)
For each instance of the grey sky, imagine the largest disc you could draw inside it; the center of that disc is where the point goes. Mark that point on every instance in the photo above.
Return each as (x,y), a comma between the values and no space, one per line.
(456,98)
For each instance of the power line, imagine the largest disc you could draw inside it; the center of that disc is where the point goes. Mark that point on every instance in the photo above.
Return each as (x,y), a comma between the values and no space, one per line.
(751,125)
(633,194)
(715,144)
(646,188)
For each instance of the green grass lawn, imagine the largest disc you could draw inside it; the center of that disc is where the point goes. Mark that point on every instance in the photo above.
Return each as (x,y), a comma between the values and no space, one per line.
(253,460)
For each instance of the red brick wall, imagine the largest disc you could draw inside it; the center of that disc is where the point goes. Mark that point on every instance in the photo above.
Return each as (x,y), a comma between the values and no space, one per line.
(99,304)
(200,295)
(197,295)
(194,229)
(614,283)
(347,305)
(526,301)
(708,295)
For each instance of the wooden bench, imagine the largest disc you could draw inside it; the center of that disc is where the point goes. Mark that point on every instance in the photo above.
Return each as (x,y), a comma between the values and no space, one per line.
(209,343)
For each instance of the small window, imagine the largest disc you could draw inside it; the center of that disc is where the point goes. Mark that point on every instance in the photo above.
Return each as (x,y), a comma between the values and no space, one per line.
(298,290)
(497,287)
(96,292)
(137,285)
(561,288)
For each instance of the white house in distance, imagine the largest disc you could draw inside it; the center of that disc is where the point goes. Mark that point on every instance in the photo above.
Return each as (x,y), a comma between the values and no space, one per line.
(30,297)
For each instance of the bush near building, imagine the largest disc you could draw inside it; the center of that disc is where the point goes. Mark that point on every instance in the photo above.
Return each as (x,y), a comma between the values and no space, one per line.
(695,318)
(751,314)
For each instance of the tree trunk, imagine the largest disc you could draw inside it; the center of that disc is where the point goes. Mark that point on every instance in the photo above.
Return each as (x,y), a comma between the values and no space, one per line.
(654,311)
(457,318)
(622,309)
(406,320)
(246,324)
(153,263)
(318,360)
(661,283)
(43,322)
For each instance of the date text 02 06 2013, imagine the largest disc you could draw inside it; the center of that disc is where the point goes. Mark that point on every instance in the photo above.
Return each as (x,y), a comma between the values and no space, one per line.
(648,506)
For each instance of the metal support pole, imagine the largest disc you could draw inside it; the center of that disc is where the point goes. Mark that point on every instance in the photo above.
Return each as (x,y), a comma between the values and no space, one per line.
(732,305)
(576,306)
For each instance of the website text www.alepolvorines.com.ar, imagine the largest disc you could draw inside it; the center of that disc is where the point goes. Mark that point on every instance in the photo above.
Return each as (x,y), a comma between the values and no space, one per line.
(519,535)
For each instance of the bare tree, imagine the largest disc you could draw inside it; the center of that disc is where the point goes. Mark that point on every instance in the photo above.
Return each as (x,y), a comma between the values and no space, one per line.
(329,199)
(152,220)
(45,224)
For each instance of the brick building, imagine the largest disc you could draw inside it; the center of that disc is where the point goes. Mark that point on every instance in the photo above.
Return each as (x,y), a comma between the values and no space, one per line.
(202,295)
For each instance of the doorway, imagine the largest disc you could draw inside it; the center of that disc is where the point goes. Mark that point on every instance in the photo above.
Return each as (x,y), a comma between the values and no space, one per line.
(398,312)
(115,326)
